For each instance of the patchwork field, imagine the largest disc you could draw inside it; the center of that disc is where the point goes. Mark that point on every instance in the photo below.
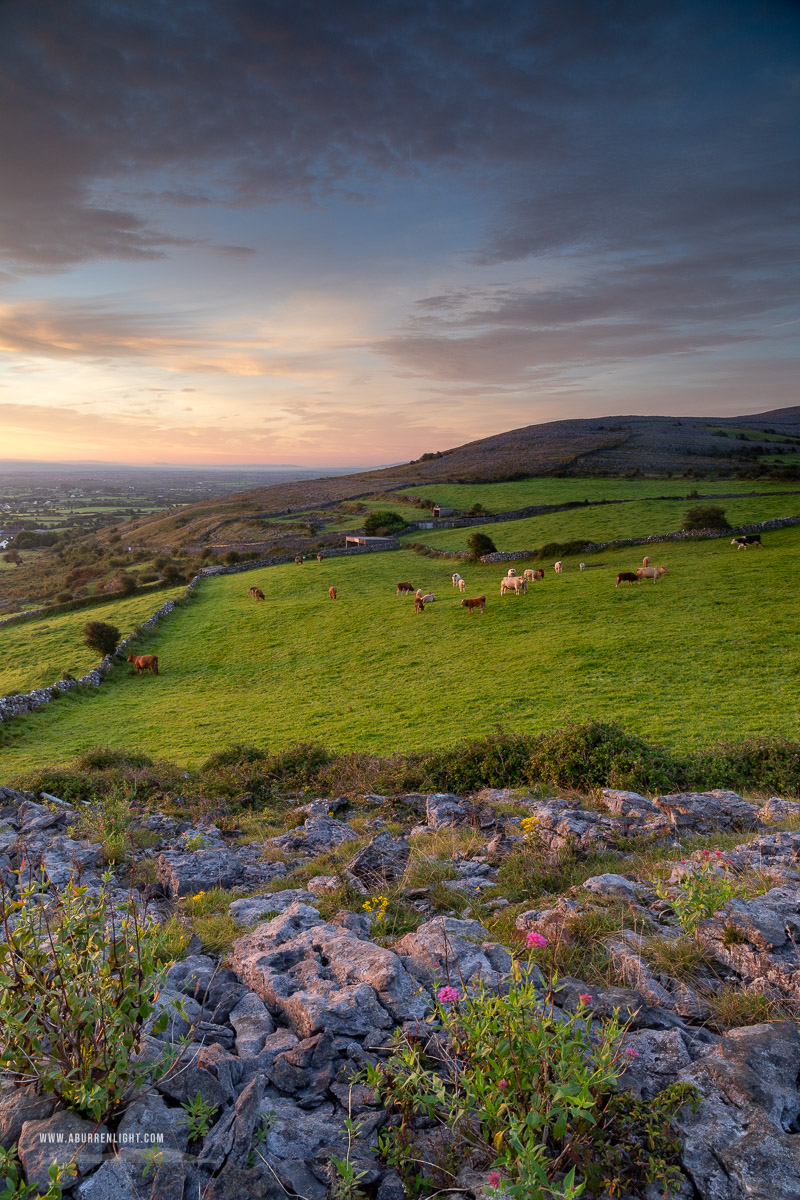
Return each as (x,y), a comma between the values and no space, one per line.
(34,653)
(708,653)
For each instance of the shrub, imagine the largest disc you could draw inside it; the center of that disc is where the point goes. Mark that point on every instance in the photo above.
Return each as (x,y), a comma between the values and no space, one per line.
(102,758)
(529,1092)
(705,516)
(234,756)
(699,895)
(382,521)
(100,636)
(77,984)
(479,544)
(599,754)
(562,549)
(122,583)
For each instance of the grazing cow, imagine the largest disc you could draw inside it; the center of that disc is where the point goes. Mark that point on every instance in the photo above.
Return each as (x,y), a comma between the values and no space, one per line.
(529,574)
(514,585)
(462,587)
(456,579)
(645,561)
(558,566)
(429,598)
(144,662)
(653,573)
(332,593)
(419,606)
(471,605)
(749,539)
(538,573)
(320,557)
(298,559)
(582,567)
(627,577)
(403,588)
(256,594)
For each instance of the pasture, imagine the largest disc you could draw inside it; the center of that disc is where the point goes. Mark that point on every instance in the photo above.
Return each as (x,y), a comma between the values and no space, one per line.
(709,652)
(34,653)
(640,518)
(501,497)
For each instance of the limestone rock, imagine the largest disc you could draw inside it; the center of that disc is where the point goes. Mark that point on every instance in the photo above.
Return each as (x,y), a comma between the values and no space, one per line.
(190,872)
(382,861)
(61,1138)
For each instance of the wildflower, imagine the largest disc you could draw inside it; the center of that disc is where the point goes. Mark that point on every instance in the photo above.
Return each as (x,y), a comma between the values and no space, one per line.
(199,896)
(585,998)
(706,854)
(493,1179)
(536,939)
(448,995)
(631,1053)
(718,853)
(502,1084)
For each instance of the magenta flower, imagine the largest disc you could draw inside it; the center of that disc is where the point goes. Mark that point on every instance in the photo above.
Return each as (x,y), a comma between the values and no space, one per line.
(585,998)
(536,939)
(502,1084)
(494,1179)
(706,854)
(631,1053)
(448,995)
(718,853)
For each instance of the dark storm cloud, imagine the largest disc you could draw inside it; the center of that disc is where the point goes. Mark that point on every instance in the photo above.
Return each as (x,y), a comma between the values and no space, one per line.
(580,124)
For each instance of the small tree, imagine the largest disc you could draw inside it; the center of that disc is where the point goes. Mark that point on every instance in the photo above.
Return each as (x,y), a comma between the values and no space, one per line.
(121,582)
(705,516)
(480,544)
(382,522)
(99,636)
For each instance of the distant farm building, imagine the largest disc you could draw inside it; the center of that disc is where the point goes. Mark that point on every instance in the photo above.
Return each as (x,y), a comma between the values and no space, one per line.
(350,542)
(438,511)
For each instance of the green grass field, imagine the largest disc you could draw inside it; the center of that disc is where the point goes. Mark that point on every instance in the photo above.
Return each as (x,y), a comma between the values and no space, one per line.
(34,653)
(501,497)
(710,652)
(637,519)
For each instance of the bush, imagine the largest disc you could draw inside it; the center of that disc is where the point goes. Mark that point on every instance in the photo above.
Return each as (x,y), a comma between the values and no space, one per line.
(103,758)
(597,754)
(100,636)
(76,1039)
(528,1093)
(34,539)
(122,583)
(381,522)
(705,516)
(562,549)
(479,544)
(234,756)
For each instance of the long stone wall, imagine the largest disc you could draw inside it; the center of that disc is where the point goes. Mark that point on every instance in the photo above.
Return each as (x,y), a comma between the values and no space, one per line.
(275,561)
(17,704)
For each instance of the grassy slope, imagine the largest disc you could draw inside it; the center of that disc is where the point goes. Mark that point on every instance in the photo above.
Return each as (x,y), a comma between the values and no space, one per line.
(638,519)
(501,497)
(699,656)
(35,653)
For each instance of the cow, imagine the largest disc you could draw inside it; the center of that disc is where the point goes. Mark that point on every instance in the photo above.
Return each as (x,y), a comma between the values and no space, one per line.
(456,579)
(471,605)
(144,662)
(511,572)
(538,573)
(462,587)
(403,588)
(558,567)
(653,573)
(506,585)
(419,606)
(529,574)
(332,593)
(627,577)
(320,557)
(646,561)
(429,598)
(256,594)
(298,559)
(582,567)
(748,539)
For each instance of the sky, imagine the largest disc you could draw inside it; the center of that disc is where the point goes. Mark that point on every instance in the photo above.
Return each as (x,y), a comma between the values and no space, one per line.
(238,231)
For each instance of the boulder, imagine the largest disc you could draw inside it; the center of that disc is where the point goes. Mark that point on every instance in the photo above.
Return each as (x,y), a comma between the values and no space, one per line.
(190,872)
(113,1181)
(380,862)
(449,951)
(315,835)
(257,908)
(62,1138)
(253,1024)
(444,810)
(18,1105)
(703,812)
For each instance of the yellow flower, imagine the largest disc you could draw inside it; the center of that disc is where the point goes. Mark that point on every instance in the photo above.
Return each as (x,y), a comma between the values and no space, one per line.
(199,896)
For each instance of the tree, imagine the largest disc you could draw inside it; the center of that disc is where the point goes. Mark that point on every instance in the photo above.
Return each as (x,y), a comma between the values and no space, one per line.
(122,583)
(705,516)
(99,636)
(480,544)
(382,521)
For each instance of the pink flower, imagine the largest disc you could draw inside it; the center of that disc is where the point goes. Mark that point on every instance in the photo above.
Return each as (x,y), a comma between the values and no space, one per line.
(502,1084)
(718,853)
(494,1179)
(706,853)
(536,939)
(585,998)
(448,995)
(631,1053)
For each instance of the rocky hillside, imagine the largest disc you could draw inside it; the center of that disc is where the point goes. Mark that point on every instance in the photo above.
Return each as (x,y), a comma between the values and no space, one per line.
(316,933)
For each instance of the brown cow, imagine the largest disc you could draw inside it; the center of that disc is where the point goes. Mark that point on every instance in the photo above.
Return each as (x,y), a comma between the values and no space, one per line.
(403,588)
(319,558)
(298,559)
(144,662)
(419,605)
(332,593)
(627,577)
(257,594)
(470,605)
